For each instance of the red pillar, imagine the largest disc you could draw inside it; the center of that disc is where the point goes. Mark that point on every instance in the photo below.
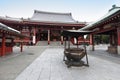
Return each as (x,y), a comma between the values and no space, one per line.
(62,40)
(91,39)
(118,35)
(48,36)
(62,36)
(3,46)
(12,45)
(113,39)
(110,40)
(34,36)
(21,47)
(92,42)
(118,41)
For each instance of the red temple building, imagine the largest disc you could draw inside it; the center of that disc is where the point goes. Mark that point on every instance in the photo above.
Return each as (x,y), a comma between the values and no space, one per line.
(107,25)
(7,36)
(43,26)
(48,26)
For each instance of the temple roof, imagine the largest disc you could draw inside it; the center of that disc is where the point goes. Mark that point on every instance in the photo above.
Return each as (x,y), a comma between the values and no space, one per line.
(75,33)
(11,18)
(52,17)
(46,18)
(6,28)
(110,13)
(14,32)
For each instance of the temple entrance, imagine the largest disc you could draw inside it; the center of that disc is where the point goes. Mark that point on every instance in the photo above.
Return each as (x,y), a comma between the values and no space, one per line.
(44,35)
(55,35)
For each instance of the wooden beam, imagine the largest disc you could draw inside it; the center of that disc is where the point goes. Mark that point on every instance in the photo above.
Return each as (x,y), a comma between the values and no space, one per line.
(104,30)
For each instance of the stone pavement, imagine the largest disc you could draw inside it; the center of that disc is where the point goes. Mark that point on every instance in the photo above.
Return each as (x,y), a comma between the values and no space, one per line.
(50,66)
(101,52)
(12,65)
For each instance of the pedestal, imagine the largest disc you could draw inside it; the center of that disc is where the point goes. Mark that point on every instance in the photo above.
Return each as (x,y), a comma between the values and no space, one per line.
(118,50)
(91,47)
(112,49)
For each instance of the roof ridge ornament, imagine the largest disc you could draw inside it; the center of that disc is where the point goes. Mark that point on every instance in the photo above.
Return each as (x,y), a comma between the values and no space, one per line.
(48,12)
(113,7)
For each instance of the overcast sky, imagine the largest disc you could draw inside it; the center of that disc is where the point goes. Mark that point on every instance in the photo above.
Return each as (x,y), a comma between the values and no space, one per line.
(82,10)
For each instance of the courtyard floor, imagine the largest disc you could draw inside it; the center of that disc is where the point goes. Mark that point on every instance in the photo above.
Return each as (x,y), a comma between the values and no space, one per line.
(50,66)
(46,63)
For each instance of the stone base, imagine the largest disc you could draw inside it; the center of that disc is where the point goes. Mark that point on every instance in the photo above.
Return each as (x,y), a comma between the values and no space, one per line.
(75,63)
(48,42)
(118,50)
(91,48)
(112,49)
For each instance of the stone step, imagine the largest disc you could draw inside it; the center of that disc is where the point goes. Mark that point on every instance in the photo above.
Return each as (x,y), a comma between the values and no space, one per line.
(42,43)
(52,43)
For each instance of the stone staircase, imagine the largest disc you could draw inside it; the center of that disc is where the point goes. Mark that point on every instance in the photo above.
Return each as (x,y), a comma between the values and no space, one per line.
(42,43)
(55,43)
(52,43)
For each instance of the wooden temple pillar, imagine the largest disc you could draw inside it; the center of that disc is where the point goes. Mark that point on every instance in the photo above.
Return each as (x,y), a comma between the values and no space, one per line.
(48,37)
(12,44)
(3,45)
(21,47)
(69,42)
(34,35)
(61,40)
(113,42)
(91,42)
(118,35)
(110,40)
(21,42)
(30,34)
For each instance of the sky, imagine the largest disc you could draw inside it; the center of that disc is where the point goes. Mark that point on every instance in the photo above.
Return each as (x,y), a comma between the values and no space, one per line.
(82,10)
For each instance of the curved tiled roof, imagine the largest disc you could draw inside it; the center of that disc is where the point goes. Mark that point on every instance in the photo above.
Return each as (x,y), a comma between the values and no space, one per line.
(110,13)
(11,18)
(52,17)
(6,28)
(12,31)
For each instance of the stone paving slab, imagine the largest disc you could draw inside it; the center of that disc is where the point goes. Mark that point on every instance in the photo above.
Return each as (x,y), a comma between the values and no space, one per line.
(50,66)
(12,65)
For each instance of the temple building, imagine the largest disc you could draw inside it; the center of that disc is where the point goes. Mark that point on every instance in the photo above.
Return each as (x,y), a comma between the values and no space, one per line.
(7,36)
(107,25)
(43,26)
